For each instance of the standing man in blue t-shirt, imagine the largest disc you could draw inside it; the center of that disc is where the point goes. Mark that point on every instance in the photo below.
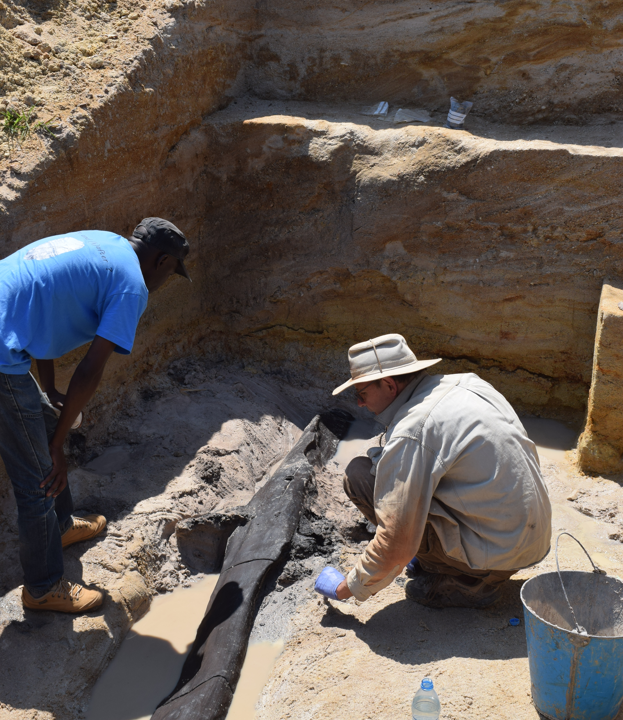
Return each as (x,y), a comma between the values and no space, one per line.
(55,295)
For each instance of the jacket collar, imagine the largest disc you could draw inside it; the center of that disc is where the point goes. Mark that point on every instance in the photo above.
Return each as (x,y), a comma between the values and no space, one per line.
(385,418)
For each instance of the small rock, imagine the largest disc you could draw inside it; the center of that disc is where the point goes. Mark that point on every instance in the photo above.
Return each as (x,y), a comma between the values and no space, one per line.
(96,63)
(27,34)
(33,53)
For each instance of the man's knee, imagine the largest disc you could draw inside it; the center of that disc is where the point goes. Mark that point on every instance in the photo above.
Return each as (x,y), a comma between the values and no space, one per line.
(33,506)
(358,480)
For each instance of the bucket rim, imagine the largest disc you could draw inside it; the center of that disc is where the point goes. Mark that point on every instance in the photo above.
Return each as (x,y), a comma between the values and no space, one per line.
(553,625)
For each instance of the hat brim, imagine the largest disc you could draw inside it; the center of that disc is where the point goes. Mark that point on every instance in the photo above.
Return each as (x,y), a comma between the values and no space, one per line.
(181,270)
(403,370)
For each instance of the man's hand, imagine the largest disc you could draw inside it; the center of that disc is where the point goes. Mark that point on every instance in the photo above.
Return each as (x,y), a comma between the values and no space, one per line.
(328,581)
(56,398)
(58,476)
(83,384)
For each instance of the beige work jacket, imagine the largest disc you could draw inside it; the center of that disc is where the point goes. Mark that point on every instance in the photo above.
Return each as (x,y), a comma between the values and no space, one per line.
(457,456)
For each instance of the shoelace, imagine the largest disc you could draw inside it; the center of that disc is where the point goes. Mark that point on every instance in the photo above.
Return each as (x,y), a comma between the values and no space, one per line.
(64,588)
(80,522)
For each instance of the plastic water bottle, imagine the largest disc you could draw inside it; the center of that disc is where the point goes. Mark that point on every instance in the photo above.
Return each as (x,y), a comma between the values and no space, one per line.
(425,705)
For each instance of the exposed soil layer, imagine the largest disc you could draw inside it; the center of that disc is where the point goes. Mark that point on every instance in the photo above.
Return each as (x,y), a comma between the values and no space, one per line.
(478,245)
(488,247)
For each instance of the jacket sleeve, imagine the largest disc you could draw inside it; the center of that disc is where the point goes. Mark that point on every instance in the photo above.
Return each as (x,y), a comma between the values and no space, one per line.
(402,496)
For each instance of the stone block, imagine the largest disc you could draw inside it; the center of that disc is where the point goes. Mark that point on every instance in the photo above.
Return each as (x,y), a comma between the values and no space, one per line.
(600,448)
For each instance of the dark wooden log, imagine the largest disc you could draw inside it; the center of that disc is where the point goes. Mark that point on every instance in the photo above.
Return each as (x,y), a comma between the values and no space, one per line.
(212,669)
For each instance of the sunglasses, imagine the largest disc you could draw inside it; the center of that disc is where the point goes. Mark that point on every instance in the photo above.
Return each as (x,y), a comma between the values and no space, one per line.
(358,394)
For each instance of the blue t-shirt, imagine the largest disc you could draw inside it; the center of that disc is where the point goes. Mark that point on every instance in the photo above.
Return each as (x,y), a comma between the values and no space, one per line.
(60,292)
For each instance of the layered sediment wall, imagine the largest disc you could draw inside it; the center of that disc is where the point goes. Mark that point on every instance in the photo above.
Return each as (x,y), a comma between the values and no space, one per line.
(315,229)
(486,251)
(311,226)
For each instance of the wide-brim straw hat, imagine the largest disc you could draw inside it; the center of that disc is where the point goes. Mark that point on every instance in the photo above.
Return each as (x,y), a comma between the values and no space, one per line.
(381,357)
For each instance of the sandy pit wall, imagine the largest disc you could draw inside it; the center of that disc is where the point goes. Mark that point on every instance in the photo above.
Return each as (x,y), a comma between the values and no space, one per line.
(600,447)
(487,252)
(339,209)
(523,62)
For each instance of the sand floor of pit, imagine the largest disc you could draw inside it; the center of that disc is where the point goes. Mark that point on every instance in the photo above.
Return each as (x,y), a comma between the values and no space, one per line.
(202,438)
(365,660)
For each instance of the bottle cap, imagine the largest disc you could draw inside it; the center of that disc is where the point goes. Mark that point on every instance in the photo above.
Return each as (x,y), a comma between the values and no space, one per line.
(427,684)
(514,621)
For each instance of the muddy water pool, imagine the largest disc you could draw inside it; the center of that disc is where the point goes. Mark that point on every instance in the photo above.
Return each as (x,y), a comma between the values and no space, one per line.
(258,665)
(150,659)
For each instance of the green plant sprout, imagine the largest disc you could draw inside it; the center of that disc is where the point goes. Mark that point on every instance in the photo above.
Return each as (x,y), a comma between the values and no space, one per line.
(19,126)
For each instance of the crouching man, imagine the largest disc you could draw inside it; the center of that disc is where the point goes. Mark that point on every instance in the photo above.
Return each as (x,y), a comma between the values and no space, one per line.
(55,295)
(456,484)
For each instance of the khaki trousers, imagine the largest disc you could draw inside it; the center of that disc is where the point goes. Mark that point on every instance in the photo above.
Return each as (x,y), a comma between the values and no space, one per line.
(359,486)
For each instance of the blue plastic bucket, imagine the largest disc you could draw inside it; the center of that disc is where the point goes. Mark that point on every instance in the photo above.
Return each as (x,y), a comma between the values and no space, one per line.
(574,629)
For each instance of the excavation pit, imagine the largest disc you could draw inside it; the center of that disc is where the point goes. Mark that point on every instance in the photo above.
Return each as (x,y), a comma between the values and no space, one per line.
(312,227)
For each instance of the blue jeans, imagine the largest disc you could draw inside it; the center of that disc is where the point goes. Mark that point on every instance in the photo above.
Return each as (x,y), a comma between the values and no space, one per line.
(27,423)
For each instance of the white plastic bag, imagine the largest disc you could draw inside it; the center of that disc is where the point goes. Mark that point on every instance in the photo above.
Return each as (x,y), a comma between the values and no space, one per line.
(407,116)
(378,110)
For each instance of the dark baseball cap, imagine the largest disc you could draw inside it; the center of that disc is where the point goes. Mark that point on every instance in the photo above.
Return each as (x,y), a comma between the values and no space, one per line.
(162,234)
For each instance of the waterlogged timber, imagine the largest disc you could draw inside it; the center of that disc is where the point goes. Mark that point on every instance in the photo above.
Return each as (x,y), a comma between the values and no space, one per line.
(212,669)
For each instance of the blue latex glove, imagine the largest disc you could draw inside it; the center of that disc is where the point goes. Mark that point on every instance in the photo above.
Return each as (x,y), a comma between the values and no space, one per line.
(328,581)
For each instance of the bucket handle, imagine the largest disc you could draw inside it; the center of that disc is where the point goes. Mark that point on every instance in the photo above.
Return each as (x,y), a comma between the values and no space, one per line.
(578,628)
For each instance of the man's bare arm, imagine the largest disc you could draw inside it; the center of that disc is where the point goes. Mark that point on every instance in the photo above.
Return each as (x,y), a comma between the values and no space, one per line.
(83,384)
(46,375)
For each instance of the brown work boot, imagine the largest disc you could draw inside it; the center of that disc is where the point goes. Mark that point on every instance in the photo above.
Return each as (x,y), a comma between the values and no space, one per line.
(84,528)
(64,596)
(443,591)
